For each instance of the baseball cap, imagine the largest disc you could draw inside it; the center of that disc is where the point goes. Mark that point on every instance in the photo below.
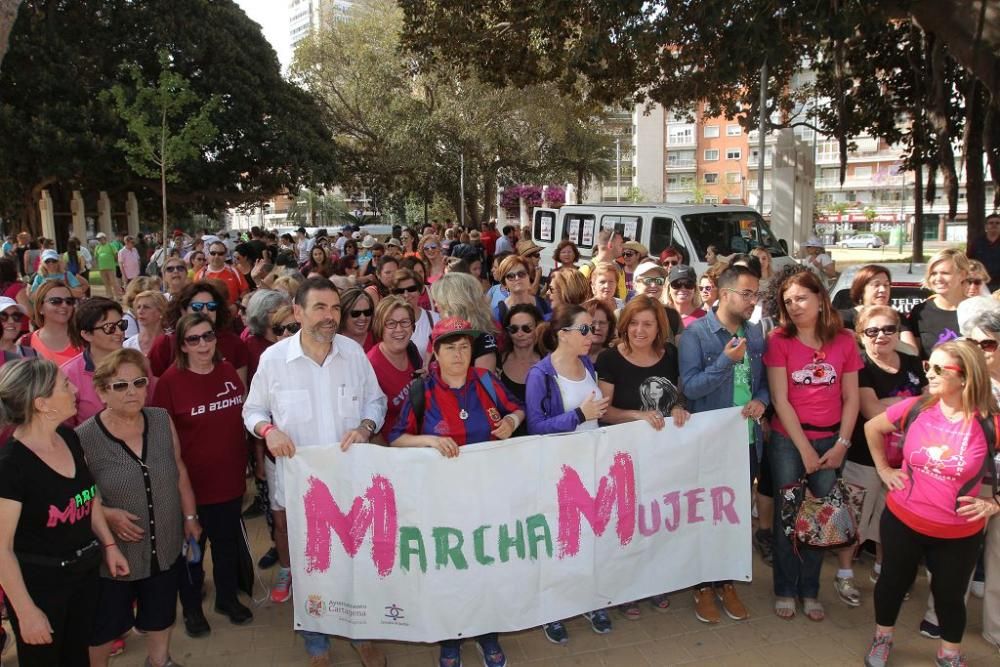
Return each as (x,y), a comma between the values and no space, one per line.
(49,254)
(682,272)
(6,302)
(813,242)
(650,267)
(101,235)
(451,327)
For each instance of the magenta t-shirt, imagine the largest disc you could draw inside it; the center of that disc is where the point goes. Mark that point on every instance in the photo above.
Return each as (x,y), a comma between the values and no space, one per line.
(940,456)
(814,378)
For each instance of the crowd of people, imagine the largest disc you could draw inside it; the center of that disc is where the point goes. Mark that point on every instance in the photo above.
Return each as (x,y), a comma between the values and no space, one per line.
(132,421)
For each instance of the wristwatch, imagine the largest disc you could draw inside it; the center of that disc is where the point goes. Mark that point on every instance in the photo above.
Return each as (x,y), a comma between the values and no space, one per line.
(842,441)
(368,424)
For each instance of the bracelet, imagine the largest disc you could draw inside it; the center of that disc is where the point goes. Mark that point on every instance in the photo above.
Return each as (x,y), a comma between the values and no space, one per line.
(190,517)
(514,419)
(267,429)
(108,546)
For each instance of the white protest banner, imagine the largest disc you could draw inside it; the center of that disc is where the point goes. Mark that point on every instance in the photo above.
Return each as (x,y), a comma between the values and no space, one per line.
(405,544)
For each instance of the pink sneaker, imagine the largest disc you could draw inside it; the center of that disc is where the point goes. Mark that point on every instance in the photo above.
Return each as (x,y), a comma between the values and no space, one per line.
(117,647)
(282,589)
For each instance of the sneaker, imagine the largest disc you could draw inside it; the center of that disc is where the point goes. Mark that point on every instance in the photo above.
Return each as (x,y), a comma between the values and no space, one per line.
(600,622)
(269,559)
(661,602)
(195,623)
(282,589)
(493,655)
(873,576)
(763,542)
(978,589)
(117,647)
(556,633)
(731,603)
(450,656)
(953,660)
(878,652)
(630,610)
(235,611)
(704,606)
(847,591)
(929,630)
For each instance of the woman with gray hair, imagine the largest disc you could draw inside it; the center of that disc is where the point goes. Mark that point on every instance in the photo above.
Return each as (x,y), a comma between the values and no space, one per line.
(460,295)
(53,533)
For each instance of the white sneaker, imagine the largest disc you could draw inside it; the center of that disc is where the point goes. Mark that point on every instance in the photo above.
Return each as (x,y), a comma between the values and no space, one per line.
(978,589)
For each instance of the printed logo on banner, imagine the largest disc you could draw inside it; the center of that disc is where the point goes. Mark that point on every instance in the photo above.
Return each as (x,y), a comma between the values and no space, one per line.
(315,606)
(394,615)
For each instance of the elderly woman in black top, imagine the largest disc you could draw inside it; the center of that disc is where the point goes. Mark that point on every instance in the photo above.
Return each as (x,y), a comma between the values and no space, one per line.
(134,456)
(52,526)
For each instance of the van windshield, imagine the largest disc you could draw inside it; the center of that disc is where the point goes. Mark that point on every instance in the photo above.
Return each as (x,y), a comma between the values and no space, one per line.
(730,232)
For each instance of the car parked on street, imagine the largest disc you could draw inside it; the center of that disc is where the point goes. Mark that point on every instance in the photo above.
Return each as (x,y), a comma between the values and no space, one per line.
(907,289)
(862,241)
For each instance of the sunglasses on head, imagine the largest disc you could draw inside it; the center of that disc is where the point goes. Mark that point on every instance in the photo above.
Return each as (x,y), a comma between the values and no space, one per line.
(888,330)
(195,339)
(987,344)
(60,300)
(15,317)
(367,312)
(682,284)
(516,275)
(123,385)
(939,369)
(280,329)
(198,306)
(582,329)
(524,328)
(110,327)
(410,288)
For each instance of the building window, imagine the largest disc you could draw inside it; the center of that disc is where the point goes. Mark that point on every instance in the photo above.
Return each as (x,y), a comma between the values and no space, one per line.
(711,131)
(734,154)
(711,178)
(733,177)
(680,134)
(734,130)
(712,154)
(709,199)
(862,172)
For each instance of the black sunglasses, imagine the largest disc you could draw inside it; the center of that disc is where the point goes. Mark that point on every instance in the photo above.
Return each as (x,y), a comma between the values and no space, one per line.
(367,312)
(411,288)
(109,327)
(15,317)
(888,330)
(682,284)
(975,281)
(174,268)
(280,329)
(194,339)
(583,329)
(216,254)
(60,300)
(514,328)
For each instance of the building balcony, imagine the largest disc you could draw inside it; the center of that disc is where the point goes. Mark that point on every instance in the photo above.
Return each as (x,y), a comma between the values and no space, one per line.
(682,165)
(682,142)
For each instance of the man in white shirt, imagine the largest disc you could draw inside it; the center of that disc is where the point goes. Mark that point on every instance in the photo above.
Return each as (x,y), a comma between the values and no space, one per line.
(310,389)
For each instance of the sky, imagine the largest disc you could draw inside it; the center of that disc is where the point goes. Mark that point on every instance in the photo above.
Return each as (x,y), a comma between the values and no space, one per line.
(272,15)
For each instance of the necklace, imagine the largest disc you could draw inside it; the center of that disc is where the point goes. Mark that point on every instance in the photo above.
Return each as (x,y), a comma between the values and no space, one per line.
(463,414)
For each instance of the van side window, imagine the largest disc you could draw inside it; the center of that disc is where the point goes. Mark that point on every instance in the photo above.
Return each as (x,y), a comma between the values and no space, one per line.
(545,226)
(729,232)
(661,237)
(580,229)
(630,225)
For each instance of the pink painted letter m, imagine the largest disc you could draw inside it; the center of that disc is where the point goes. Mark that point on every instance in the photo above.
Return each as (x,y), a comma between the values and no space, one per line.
(617,488)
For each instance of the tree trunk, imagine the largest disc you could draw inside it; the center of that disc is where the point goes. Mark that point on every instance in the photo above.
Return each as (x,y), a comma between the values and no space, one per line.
(8,15)
(975,188)
(918,212)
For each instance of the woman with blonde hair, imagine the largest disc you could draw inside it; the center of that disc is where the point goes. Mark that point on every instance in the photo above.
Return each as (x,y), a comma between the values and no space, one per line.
(933,510)
(935,321)
(55,329)
(136,285)
(568,286)
(459,295)
(978,282)
(149,306)
(430,251)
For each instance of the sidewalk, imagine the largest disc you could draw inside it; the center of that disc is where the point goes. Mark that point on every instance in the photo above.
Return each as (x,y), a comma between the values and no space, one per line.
(673,637)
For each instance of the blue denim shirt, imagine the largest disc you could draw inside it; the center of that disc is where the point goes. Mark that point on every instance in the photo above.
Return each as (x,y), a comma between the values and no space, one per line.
(707,373)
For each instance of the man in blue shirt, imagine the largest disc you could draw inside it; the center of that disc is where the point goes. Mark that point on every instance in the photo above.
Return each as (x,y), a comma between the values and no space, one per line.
(721,363)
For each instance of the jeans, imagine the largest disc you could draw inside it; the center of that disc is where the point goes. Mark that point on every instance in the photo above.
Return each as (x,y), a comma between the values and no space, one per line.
(796,575)
(220,523)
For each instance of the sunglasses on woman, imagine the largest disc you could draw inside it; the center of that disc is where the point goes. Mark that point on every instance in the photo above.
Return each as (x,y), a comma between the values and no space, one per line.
(629,253)
(939,369)
(706,288)
(583,329)
(987,344)
(195,339)
(654,281)
(280,329)
(888,330)
(682,285)
(12,317)
(60,300)
(410,289)
(524,328)
(515,275)
(198,306)
(174,268)
(367,312)
(671,262)
(431,246)
(123,385)
(110,327)
(978,282)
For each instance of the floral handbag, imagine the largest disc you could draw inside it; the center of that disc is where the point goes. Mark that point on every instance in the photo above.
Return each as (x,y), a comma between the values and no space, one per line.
(829,522)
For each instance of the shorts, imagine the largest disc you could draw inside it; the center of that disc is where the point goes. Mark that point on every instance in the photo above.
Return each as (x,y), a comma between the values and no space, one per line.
(275,485)
(871,511)
(149,605)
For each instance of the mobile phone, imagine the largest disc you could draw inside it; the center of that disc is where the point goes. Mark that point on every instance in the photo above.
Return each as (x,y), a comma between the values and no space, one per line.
(191,550)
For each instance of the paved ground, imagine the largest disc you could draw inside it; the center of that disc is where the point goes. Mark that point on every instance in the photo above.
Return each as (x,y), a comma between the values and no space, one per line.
(673,637)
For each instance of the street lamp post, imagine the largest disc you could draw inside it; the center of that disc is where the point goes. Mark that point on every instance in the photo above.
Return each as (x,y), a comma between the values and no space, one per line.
(618,169)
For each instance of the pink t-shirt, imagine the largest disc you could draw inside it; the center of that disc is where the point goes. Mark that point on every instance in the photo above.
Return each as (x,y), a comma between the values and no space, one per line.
(940,456)
(813,379)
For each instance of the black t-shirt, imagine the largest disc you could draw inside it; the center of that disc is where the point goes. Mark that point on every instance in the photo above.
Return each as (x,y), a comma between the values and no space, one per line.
(55,510)
(908,381)
(932,326)
(849,317)
(483,345)
(641,387)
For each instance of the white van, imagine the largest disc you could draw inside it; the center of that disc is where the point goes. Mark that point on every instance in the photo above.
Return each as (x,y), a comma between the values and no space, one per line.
(689,228)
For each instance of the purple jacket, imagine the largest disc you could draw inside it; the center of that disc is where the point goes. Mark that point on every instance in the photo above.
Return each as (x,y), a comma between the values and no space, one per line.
(543,400)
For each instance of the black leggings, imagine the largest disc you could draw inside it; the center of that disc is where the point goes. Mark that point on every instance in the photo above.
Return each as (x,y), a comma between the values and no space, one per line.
(950,561)
(220,523)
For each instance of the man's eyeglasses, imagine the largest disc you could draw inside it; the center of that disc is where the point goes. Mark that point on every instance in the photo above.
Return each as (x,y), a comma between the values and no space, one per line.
(409,288)
(198,306)
(748,295)
(14,317)
(195,339)
(939,370)
(123,385)
(888,330)
(60,300)
(291,327)
(987,344)
(367,312)
(582,329)
(525,328)
(110,327)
